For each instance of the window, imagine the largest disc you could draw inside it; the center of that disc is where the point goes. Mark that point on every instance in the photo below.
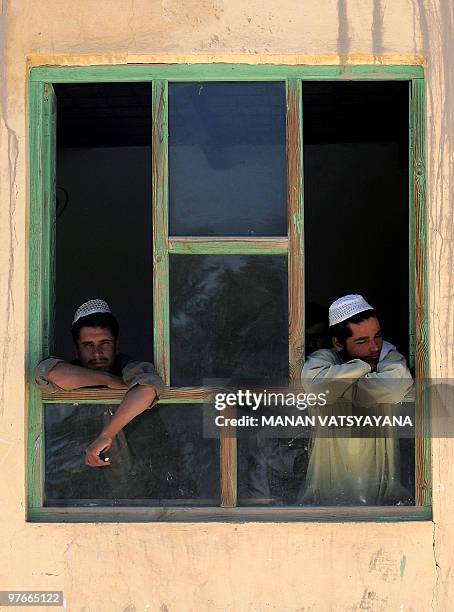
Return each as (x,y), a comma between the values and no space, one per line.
(219,239)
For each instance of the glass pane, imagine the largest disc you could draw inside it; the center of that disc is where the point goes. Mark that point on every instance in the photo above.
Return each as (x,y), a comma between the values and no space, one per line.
(305,466)
(271,471)
(161,457)
(229,317)
(227,159)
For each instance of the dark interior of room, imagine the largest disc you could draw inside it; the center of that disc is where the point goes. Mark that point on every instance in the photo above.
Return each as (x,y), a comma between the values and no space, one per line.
(356,197)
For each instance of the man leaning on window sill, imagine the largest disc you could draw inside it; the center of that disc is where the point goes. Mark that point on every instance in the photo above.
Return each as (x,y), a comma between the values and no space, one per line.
(99,364)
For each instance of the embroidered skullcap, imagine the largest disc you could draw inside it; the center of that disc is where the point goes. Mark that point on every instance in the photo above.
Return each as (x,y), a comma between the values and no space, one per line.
(346,307)
(89,308)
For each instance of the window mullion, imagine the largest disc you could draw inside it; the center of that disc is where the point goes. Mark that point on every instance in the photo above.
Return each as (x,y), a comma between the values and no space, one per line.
(160,207)
(229,462)
(295,228)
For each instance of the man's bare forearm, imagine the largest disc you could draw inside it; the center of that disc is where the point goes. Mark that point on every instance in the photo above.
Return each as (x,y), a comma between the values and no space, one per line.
(69,377)
(134,403)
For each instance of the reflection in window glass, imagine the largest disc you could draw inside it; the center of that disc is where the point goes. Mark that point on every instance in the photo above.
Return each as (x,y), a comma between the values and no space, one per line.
(229,317)
(277,471)
(271,470)
(160,456)
(227,159)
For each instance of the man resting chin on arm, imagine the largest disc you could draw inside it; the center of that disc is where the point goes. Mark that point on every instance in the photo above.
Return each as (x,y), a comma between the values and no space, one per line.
(95,335)
(368,371)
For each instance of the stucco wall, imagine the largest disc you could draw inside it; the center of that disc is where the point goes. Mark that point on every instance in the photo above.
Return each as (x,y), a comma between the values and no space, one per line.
(403,566)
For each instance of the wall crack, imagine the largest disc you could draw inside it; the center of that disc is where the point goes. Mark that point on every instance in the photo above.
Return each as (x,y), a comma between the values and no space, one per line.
(437,568)
(13,154)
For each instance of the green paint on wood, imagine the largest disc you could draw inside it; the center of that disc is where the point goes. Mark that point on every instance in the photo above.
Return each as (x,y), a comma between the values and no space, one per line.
(411,234)
(403,563)
(35,422)
(41,268)
(221,72)
(192,514)
(49,216)
(228,246)
(160,206)
(100,401)
(295,222)
(421,295)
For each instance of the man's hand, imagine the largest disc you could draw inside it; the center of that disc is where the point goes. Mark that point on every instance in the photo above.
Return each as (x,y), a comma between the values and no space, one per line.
(134,403)
(102,443)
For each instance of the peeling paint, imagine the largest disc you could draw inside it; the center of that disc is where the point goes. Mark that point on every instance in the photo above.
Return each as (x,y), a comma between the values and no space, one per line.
(403,563)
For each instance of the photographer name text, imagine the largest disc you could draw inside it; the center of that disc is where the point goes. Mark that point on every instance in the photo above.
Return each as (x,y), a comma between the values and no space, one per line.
(313,421)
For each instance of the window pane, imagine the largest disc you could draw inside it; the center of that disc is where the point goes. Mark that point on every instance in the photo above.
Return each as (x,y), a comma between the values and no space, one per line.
(229,317)
(301,466)
(160,456)
(271,471)
(227,159)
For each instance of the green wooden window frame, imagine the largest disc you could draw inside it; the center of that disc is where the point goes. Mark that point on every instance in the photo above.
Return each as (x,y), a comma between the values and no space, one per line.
(42,112)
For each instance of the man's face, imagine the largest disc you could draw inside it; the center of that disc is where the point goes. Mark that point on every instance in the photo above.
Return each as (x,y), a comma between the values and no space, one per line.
(365,342)
(96,348)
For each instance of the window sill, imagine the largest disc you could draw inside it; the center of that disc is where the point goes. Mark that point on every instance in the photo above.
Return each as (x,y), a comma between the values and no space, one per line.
(169,395)
(380,514)
(105,395)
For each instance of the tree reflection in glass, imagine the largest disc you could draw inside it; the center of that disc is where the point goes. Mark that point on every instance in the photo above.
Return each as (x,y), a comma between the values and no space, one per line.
(228,317)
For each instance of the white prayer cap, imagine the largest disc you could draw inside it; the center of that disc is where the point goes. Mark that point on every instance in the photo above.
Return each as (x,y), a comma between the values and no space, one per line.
(346,307)
(89,308)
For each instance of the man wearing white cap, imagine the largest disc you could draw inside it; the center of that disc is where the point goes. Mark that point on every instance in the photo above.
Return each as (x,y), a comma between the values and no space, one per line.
(366,370)
(95,335)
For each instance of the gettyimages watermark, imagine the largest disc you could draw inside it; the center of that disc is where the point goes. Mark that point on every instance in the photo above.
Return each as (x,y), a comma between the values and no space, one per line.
(247,398)
(333,408)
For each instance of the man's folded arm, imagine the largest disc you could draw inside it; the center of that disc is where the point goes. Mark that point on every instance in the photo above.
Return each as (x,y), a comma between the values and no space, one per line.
(142,373)
(389,383)
(55,374)
(321,373)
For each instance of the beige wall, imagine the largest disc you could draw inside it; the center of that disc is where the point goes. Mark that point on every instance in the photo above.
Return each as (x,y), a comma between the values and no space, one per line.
(405,566)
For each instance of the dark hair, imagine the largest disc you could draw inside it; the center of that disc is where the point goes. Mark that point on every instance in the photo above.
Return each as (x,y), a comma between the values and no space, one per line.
(342,330)
(97,319)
